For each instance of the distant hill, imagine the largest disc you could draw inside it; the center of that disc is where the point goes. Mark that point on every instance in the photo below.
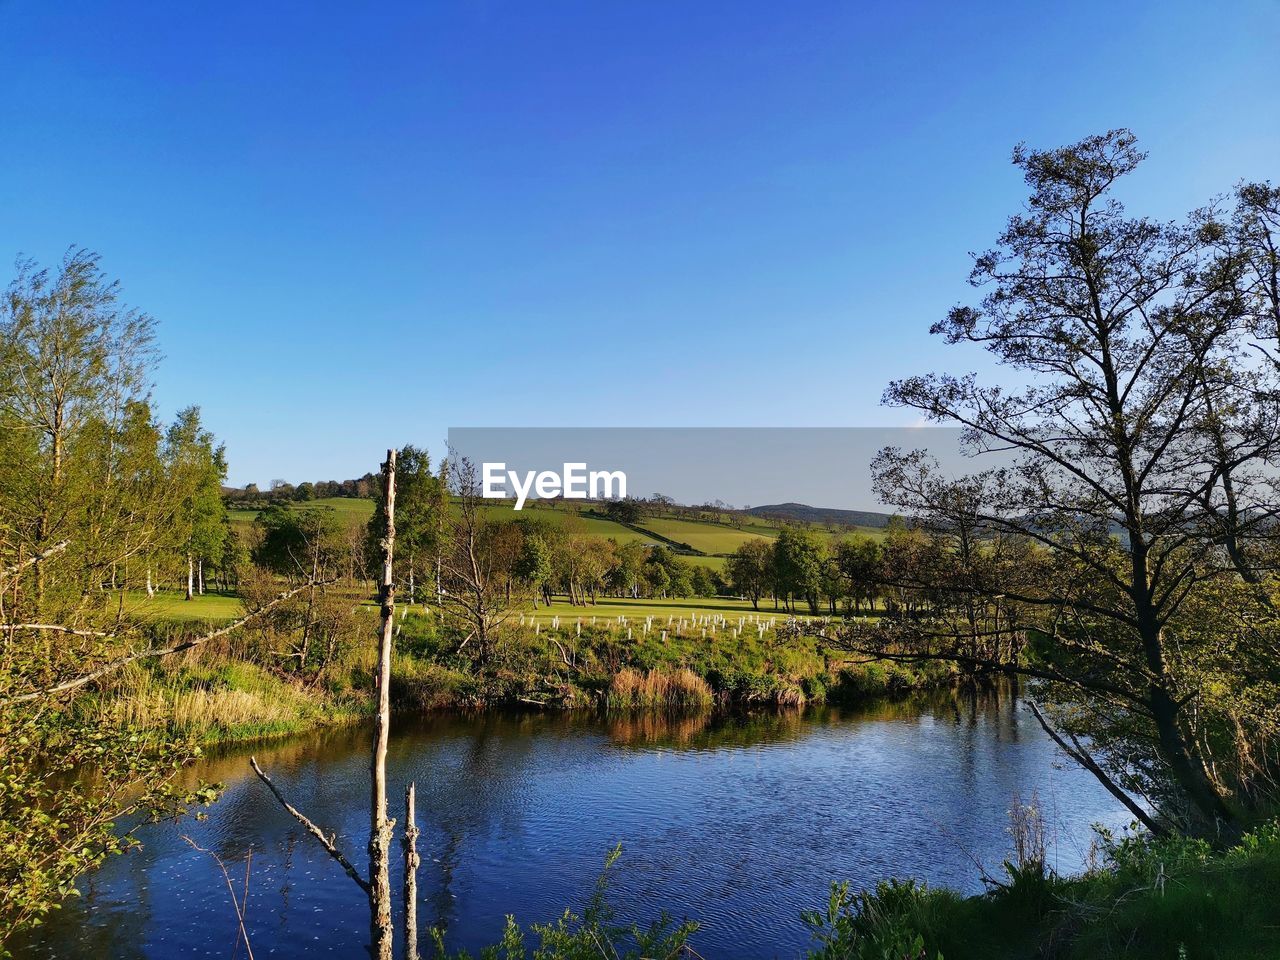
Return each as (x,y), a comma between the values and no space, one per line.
(803,513)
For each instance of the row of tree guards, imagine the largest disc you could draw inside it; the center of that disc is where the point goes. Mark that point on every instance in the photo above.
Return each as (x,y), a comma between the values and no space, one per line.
(377,885)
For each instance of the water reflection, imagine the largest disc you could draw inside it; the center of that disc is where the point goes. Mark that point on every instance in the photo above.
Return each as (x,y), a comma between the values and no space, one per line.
(740,821)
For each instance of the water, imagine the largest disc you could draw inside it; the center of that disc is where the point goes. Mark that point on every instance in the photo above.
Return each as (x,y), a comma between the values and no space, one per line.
(739,822)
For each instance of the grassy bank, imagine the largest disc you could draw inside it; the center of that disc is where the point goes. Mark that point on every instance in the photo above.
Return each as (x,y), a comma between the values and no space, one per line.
(1147,900)
(210,701)
(697,661)
(677,655)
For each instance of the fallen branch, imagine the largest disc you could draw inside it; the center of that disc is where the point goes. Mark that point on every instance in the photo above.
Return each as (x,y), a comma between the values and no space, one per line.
(1077,752)
(35,558)
(69,685)
(235,901)
(326,840)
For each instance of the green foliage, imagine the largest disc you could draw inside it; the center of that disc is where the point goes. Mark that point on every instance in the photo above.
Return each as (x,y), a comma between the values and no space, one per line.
(591,935)
(883,924)
(196,467)
(799,561)
(1153,899)
(58,816)
(95,498)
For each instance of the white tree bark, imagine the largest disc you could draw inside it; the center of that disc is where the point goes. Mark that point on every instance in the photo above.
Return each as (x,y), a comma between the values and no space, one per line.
(379,825)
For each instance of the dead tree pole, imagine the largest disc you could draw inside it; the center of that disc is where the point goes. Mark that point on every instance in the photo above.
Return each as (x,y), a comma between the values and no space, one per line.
(379,825)
(409,843)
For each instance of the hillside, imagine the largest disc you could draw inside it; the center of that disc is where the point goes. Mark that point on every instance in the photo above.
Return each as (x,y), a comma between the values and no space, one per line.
(803,513)
(707,538)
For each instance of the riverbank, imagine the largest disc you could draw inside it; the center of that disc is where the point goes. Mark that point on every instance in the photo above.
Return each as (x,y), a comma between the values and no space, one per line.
(1148,899)
(690,660)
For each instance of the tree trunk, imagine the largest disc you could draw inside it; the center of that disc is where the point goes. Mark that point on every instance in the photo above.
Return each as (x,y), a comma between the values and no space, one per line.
(409,843)
(379,825)
(191,569)
(151,590)
(1186,767)
(200,576)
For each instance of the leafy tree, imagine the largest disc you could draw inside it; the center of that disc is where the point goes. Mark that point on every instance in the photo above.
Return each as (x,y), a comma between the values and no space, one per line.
(859,562)
(75,363)
(421,516)
(534,565)
(657,578)
(86,499)
(197,465)
(680,578)
(627,510)
(1140,493)
(628,571)
(799,558)
(750,569)
(300,543)
(701,582)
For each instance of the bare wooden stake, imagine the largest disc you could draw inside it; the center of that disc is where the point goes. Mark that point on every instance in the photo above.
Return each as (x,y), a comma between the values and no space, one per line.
(379,825)
(411,860)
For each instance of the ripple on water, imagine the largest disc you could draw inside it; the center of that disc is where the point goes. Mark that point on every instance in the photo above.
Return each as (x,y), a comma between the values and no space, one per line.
(738,822)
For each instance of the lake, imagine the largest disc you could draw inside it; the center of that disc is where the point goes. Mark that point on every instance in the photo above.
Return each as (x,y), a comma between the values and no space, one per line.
(738,821)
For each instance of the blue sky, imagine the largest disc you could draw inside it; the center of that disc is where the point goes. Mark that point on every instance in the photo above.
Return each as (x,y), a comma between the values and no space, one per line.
(591,214)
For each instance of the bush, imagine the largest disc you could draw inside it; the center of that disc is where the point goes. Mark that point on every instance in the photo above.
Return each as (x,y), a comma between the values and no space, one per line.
(591,936)
(884,924)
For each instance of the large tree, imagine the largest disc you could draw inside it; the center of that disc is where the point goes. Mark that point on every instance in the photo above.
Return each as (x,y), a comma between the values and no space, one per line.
(74,367)
(750,569)
(1142,435)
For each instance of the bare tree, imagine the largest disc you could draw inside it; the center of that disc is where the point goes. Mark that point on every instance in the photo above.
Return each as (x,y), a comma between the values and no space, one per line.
(379,824)
(475,587)
(377,885)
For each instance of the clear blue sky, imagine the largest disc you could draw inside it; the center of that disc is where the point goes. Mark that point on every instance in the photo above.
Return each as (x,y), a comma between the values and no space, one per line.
(594,213)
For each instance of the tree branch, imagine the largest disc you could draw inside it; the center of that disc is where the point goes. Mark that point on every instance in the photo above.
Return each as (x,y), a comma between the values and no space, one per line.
(80,681)
(326,841)
(35,558)
(1076,752)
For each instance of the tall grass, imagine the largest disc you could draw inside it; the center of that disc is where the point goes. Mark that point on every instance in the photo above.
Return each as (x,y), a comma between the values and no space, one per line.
(678,688)
(232,701)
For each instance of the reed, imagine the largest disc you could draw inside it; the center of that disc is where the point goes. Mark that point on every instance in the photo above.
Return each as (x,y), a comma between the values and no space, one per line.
(235,702)
(674,688)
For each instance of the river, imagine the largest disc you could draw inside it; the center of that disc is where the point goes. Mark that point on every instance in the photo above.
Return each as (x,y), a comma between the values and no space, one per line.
(738,821)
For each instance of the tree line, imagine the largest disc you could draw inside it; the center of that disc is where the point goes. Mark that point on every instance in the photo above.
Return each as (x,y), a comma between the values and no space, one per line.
(251,497)
(100,502)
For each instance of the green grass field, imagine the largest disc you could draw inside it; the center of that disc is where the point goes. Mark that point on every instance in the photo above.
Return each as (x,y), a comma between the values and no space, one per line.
(172,605)
(610,608)
(711,538)
(350,509)
(565,515)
